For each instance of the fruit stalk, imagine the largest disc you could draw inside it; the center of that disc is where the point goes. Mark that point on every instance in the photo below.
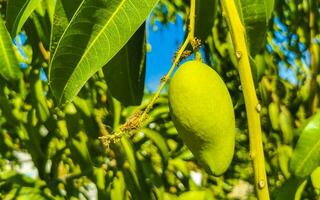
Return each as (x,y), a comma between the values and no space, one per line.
(177,58)
(192,19)
(190,39)
(193,40)
(140,117)
(251,102)
(165,79)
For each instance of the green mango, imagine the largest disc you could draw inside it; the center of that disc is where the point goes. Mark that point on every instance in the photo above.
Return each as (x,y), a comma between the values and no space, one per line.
(284,155)
(202,112)
(286,125)
(274,111)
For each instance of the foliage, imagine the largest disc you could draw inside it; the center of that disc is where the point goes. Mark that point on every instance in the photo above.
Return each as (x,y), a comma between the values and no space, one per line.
(57,123)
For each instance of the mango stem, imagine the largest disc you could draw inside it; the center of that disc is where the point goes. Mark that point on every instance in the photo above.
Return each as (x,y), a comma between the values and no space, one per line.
(251,102)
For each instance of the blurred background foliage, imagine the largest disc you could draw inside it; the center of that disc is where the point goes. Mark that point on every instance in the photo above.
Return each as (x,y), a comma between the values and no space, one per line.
(50,152)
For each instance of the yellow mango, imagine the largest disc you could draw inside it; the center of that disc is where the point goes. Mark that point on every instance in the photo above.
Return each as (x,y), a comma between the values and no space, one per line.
(202,112)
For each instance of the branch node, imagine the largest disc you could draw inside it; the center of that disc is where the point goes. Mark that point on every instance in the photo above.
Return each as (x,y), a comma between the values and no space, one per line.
(185,54)
(258,107)
(133,122)
(238,55)
(261,184)
(176,55)
(252,155)
(196,43)
(163,79)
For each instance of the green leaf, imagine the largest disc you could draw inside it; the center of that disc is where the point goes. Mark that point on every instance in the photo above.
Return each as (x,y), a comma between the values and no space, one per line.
(8,61)
(291,189)
(50,7)
(205,15)
(84,106)
(118,190)
(12,177)
(18,11)
(103,27)
(63,13)
(81,152)
(269,8)
(306,155)
(41,20)
(125,72)
(129,152)
(100,180)
(157,113)
(191,195)
(159,142)
(315,178)
(38,96)
(25,193)
(132,172)
(300,190)
(149,173)
(116,109)
(255,15)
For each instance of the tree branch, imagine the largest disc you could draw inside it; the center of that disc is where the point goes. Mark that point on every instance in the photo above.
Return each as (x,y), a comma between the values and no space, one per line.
(251,102)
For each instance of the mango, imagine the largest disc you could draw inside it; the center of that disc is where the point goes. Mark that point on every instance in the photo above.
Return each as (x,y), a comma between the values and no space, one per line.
(274,111)
(202,112)
(286,125)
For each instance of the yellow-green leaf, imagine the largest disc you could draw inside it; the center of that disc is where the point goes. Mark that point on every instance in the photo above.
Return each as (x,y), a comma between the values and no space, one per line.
(255,15)
(306,156)
(8,61)
(18,11)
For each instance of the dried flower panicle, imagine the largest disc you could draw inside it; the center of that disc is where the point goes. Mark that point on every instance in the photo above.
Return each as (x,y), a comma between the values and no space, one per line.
(185,54)
(133,123)
(196,44)
(176,55)
(108,139)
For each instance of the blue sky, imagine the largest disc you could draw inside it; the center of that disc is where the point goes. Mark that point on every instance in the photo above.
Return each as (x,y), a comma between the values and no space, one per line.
(164,41)
(283,41)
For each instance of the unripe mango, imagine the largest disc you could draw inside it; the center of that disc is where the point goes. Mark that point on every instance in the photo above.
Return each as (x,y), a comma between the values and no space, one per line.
(274,111)
(202,112)
(286,125)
